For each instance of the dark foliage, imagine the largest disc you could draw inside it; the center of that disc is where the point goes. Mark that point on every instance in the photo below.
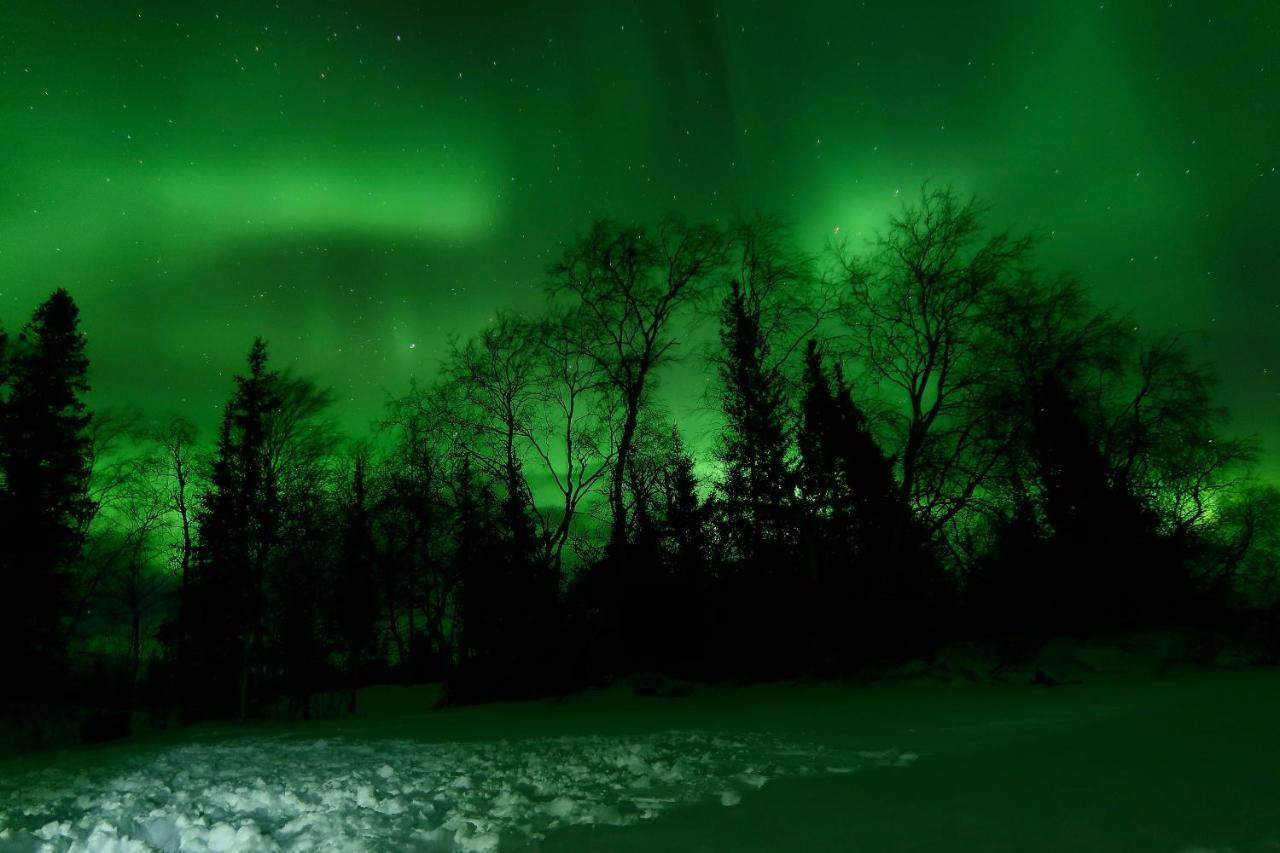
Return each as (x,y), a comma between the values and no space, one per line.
(876,586)
(44,492)
(1001,457)
(238,518)
(766,590)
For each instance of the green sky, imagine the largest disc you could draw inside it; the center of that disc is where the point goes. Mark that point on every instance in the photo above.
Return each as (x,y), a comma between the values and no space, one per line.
(357,180)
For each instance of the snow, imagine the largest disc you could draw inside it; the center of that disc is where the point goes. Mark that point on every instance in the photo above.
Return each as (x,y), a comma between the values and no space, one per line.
(294,793)
(1185,764)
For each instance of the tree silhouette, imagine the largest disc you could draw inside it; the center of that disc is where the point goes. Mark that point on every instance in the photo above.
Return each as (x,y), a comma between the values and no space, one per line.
(570,436)
(992,446)
(756,498)
(757,491)
(355,606)
(626,285)
(915,309)
(411,517)
(1108,459)
(876,588)
(176,440)
(45,470)
(238,520)
(684,535)
(134,586)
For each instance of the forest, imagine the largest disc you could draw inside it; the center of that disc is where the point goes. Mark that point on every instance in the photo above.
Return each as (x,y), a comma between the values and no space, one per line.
(916,440)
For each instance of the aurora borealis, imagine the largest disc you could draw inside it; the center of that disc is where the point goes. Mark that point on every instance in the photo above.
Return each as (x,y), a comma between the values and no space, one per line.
(357,181)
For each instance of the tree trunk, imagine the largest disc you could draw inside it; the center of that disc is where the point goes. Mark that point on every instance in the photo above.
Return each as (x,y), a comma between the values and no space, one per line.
(618,531)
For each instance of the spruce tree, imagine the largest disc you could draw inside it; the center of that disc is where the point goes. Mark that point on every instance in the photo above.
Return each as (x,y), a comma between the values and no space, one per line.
(45,466)
(238,516)
(867,578)
(765,590)
(757,490)
(1103,554)
(684,525)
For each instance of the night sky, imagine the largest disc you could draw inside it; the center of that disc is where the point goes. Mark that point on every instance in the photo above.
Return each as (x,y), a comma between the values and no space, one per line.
(356,181)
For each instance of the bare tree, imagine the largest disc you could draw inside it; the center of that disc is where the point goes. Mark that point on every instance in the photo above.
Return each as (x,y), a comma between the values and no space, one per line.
(177,442)
(112,471)
(1245,559)
(625,285)
(1032,328)
(302,437)
(570,432)
(1161,433)
(782,289)
(529,408)
(495,391)
(136,583)
(915,308)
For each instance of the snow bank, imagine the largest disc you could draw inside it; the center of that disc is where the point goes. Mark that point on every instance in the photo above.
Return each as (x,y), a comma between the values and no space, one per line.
(290,793)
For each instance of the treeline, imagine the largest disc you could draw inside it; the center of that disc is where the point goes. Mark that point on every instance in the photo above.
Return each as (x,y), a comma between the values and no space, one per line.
(920,440)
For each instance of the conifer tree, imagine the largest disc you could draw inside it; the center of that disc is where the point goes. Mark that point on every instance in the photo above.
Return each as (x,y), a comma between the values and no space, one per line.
(757,489)
(237,532)
(756,506)
(1103,549)
(863,573)
(685,513)
(45,454)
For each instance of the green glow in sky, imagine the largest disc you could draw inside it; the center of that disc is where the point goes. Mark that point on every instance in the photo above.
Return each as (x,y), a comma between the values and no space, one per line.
(350,179)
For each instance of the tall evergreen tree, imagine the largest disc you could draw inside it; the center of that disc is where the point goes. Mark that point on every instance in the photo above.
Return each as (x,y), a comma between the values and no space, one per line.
(757,491)
(865,572)
(45,467)
(756,501)
(1104,552)
(238,519)
(684,512)
(843,467)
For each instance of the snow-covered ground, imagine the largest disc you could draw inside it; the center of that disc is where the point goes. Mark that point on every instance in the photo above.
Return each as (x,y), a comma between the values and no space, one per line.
(295,793)
(1180,765)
